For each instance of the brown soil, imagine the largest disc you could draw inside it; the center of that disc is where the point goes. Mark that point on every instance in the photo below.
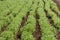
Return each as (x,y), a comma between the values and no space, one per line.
(58,35)
(4,27)
(24,19)
(57,2)
(58,15)
(52,24)
(18,35)
(50,20)
(49,17)
(37,32)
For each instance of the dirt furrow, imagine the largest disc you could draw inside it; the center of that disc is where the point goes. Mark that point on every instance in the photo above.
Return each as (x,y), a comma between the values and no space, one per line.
(58,35)
(55,12)
(50,20)
(37,32)
(7,24)
(57,2)
(24,19)
(52,24)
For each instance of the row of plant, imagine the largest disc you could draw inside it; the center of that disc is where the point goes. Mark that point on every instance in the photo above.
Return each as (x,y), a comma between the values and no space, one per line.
(54,6)
(20,16)
(48,31)
(11,16)
(10,32)
(6,6)
(29,27)
(14,10)
(52,14)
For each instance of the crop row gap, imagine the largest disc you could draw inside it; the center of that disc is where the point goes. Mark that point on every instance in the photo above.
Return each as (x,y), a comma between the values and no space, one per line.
(55,12)
(52,23)
(7,24)
(57,2)
(24,20)
(37,32)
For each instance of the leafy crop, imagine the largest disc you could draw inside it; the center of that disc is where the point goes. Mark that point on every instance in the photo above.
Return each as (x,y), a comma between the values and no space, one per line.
(29,20)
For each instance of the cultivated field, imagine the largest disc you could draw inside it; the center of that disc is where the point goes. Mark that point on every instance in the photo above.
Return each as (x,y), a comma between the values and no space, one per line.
(29,20)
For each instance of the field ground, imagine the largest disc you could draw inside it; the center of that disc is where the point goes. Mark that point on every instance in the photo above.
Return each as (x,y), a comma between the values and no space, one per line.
(29,20)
